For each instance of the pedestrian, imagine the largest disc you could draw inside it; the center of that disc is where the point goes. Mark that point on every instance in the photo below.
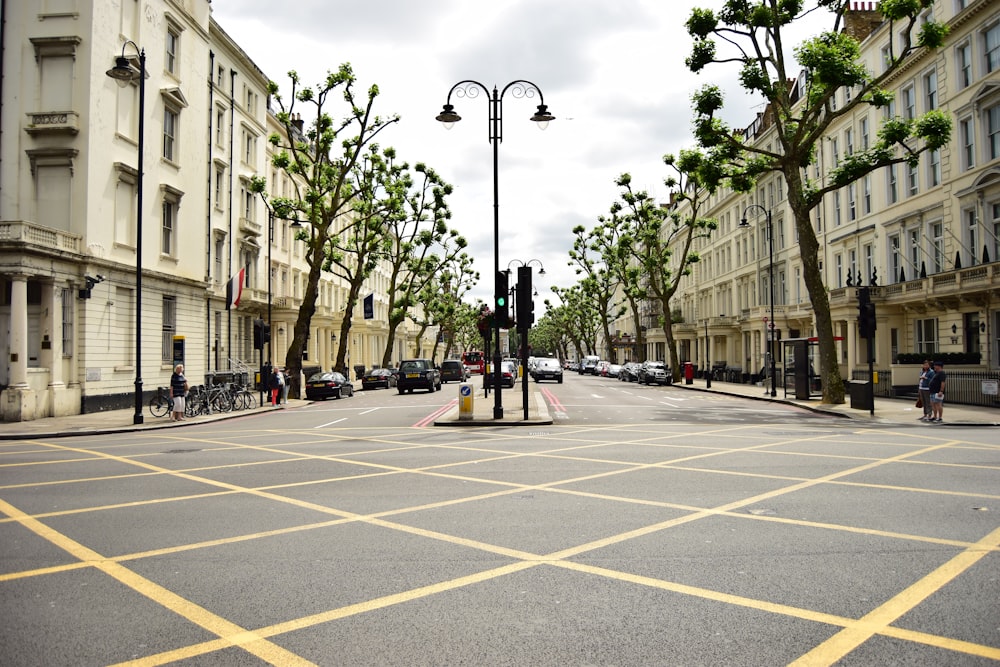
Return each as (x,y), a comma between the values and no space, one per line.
(178,391)
(924,390)
(284,386)
(937,392)
(274,384)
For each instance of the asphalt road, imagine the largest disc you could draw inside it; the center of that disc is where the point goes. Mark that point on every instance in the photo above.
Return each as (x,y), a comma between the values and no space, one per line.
(646,526)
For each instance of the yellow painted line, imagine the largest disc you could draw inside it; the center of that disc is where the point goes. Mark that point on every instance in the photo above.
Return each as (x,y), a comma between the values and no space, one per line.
(224,629)
(879,619)
(336,614)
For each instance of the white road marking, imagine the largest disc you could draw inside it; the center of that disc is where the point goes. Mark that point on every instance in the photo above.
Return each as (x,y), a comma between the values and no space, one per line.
(367,411)
(335,421)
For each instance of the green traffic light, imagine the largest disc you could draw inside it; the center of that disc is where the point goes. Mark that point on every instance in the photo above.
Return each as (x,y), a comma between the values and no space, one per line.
(501,302)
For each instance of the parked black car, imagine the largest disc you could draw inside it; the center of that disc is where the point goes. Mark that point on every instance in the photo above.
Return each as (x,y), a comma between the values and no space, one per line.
(453,370)
(418,374)
(379,377)
(654,372)
(629,372)
(322,386)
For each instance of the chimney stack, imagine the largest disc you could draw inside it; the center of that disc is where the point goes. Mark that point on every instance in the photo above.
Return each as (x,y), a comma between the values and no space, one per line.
(862,19)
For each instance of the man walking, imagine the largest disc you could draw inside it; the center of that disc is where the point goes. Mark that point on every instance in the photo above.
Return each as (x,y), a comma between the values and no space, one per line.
(924,390)
(937,392)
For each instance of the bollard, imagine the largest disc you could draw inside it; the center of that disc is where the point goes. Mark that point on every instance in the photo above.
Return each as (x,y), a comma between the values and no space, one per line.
(465,400)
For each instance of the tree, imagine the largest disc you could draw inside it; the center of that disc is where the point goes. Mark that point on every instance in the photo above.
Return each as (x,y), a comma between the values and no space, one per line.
(598,282)
(583,319)
(753,32)
(417,244)
(442,303)
(321,162)
(652,233)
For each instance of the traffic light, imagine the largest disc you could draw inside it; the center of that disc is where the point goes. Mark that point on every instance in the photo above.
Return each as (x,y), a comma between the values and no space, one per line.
(261,334)
(866,314)
(525,304)
(502,311)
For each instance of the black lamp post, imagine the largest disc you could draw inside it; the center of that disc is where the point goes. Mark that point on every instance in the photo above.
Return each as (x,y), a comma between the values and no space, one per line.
(123,73)
(518,88)
(770,284)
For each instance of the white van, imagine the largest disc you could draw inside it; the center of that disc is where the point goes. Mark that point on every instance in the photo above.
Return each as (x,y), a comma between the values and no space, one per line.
(589,364)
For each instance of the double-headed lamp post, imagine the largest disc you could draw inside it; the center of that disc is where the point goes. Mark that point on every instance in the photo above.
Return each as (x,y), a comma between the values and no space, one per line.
(770,284)
(448,116)
(124,74)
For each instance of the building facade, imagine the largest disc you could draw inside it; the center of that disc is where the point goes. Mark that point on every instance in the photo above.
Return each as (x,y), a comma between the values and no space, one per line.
(70,210)
(924,239)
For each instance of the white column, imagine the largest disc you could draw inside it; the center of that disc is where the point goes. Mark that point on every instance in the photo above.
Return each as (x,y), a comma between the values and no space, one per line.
(51,352)
(18,361)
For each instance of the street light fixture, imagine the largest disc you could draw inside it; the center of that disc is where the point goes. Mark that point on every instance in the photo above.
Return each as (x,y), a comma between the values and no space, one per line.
(519,88)
(124,74)
(770,284)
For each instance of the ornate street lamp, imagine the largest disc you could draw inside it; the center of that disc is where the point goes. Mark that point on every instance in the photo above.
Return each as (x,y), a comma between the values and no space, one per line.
(770,284)
(519,88)
(123,73)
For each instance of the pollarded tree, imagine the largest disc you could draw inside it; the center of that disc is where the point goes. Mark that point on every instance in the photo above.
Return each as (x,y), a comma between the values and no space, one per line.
(441,299)
(583,319)
(753,33)
(417,246)
(320,160)
(597,280)
(653,233)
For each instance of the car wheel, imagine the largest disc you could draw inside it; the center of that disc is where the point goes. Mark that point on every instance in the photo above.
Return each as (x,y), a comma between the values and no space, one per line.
(402,391)
(560,380)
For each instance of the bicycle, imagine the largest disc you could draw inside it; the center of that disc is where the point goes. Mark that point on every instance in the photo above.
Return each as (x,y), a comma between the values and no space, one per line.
(244,399)
(161,403)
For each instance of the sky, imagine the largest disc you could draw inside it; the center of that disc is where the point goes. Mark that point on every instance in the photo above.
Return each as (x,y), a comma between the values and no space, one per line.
(612,73)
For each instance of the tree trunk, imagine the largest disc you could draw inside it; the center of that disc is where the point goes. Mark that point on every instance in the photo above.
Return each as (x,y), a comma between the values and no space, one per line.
(293,357)
(829,365)
(345,326)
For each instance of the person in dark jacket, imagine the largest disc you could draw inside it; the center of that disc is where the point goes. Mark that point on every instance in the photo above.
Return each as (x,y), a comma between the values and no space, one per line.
(178,391)
(937,392)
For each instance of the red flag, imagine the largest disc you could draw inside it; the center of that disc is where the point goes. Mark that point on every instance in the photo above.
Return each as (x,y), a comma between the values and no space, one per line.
(234,289)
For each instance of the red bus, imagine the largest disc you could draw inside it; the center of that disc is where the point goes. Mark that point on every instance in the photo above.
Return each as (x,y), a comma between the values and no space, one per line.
(474,362)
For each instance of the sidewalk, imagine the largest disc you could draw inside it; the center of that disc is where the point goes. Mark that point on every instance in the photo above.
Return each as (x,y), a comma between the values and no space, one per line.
(887,411)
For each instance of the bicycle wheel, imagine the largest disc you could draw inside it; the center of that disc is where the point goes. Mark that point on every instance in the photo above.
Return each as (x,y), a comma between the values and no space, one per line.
(222,402)
(247,400)
(159,405)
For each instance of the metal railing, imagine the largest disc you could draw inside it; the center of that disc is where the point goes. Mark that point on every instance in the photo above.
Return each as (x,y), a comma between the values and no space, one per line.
(963,387)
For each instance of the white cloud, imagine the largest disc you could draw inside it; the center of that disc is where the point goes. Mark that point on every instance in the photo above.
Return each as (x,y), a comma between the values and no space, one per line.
(613,74)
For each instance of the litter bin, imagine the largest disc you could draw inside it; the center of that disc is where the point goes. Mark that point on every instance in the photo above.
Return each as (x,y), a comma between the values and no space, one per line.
(861,395)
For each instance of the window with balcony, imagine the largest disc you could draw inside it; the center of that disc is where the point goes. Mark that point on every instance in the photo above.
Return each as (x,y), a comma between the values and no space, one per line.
(915,262)
(971,235)
(895,260)
(937,246)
